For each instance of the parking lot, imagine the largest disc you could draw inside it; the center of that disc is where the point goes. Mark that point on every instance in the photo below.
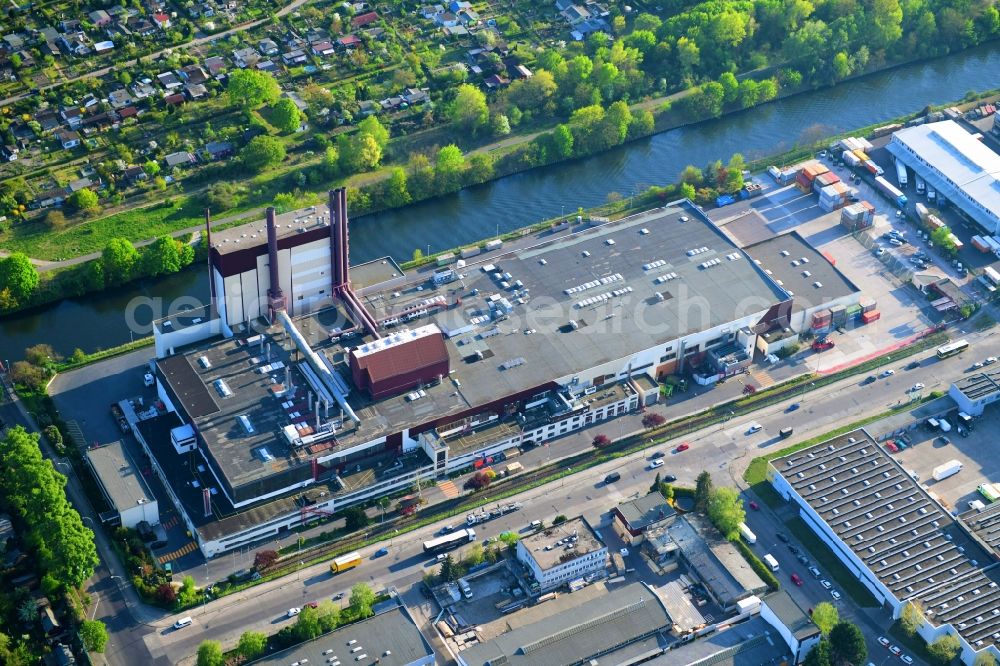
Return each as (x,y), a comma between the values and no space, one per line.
(975,451)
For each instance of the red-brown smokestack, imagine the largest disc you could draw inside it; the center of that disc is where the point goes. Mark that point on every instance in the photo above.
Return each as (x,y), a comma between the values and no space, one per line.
(275,298)
(334,241)
(345,247)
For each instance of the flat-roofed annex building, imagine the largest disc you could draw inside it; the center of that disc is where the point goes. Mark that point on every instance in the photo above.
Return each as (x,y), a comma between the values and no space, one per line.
(562,553)
(122,485)
(959,167)
(895,538)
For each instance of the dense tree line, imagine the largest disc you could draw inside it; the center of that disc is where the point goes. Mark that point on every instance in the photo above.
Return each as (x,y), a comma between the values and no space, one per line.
(32,490)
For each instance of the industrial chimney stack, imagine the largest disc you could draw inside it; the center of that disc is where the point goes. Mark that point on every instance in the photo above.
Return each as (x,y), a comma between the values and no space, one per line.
(275,298)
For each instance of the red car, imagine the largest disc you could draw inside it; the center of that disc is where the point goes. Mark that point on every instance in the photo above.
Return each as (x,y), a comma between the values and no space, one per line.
(754,506)
(796,580)
(682,447)
(822,345)
(892,447)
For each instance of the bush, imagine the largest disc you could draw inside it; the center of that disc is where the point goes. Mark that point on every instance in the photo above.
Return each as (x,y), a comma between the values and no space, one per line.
(759,567)
(602,441)
(166,594)
(480,480)
(652,420)
(264,559)
(559,520)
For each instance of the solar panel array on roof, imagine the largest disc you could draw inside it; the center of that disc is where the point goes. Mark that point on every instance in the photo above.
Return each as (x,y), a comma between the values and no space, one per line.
(902,535)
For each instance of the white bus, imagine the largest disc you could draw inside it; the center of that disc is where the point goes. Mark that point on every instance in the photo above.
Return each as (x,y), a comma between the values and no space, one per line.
(747,535)
(952,348)
(449,541)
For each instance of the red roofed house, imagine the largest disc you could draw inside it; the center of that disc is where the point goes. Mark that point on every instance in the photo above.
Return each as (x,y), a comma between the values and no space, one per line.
(349,42)
(364,19)
(400,362)
(175,99)
(162,21)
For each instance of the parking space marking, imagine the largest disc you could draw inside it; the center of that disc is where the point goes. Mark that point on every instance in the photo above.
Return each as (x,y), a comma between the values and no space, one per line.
(180,552)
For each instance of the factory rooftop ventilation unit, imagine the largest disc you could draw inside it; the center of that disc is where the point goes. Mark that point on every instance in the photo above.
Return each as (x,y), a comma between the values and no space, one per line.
(222,388)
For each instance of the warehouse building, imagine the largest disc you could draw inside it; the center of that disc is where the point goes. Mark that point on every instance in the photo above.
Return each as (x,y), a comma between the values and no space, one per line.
(631,519)
(895,538)
(562,553)
(123,486)
(972,393)
(962,169)
(299,400)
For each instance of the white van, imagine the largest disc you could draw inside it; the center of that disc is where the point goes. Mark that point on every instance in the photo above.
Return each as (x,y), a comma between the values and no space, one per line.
(771,562)
(465,587)
(945,426)
(183,622)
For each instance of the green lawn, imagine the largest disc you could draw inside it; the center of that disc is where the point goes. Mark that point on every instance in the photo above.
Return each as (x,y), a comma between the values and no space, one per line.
(830,565)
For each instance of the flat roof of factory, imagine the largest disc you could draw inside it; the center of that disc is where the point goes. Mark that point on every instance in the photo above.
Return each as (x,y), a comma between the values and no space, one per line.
(979,385)
(904,537)
(801,269)
(543,548)
(120,478)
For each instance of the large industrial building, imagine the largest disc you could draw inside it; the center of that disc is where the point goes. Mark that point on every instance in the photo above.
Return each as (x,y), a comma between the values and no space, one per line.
(958,166)
(314,385)
(896,538)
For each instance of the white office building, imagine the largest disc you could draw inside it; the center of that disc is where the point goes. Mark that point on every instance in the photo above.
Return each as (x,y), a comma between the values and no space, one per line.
(563,553)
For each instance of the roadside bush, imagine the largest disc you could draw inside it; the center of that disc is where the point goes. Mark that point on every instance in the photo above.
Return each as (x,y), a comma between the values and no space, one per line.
(653,420)
(264,559)
(601,441)
(758,567)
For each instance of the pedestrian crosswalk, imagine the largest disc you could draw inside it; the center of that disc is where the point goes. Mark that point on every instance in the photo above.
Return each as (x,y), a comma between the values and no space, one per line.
(449,489)
(171,522)
(762,378)
(180,552)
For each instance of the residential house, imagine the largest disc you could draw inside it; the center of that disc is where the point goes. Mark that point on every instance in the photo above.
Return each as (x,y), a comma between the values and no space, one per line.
(195,91)
(430,11)
(72,116)
(175,99)
(89,100)
(179,159)
(48,34)
(575,15)
(128,112)
(349,42)
(162,21)
(169,80)
(193,74)
(391,103)
(22,132)
(140,26)
(367,107)
(207,10)
(296,57)
(324,48)
(364,19)
(67,138)
(14,42)
(100,18)
(495,82)
(143,89)
(268,47)
(85,184)
(135,174)
(53,197)
(49,49)
(75,43)
(99,121)
(597,9)
(50,625)
(268,66)
(215,65)
(446,20)
(64,656)
(414,96)
(10,153)
(27,60)
(107,46)
(118,13)
(70,25)
(119,99)
(523,71)
(456,31)
(245,58)
(48,119)
(468,17)
(218,150)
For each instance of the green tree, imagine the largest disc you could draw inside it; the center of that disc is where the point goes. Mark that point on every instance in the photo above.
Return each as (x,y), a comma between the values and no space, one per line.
(307,625)
(372,126)
(942,239)
(825,616)
(359,152)
(847,644)
(562,139)
(119,259)
(534,92)
(730,87)
(94,635)
(19,275)
(480,168)
(152,168)
(819,655)
(468,109)
(162,257)
(702,491)
(396,194)
(911,617)
(725,510)
(210,654)
(285,116)
(362,600)
(355,518)
(252,645)
(83,201)
(250,88)
(985,659)
(501,125)
(448,170)
(945,649)
(474,555)
(262,152)
(447,572)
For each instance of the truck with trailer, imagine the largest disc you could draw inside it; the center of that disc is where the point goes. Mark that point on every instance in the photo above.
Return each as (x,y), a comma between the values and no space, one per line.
(345,562)
(890,191)
(931,194)
(920,185)
(747,535)
(901,173)
(850,159)
(943,471)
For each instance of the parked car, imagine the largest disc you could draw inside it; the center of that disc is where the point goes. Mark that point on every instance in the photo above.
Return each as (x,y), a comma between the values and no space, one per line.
(292,612)
(781,537)
(669,478)
(906,659)
(822,345)
(870,379)
(826,584)
(895,650)
(381,552)
(753,505)
(919,386)
(803,560)
(655,464)
(814,571)
(796,579)
(989,360)
(682,447)
(792,407)
(835,595)
(657,454)
(883,641)
(887,373)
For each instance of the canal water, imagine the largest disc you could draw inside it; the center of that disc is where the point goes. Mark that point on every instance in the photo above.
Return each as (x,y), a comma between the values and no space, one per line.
(105,320)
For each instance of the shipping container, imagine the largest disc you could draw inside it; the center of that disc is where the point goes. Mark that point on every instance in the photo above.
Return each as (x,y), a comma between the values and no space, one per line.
(922,211)
(867,303)
(445,259)
(850,159)
(901,173)
(956,241)
(494,244)
(775,173)
(839,314)
(862,155)
(470,251)
(993,242)
(870,316)
(873,168)
(934,222)
(853,311)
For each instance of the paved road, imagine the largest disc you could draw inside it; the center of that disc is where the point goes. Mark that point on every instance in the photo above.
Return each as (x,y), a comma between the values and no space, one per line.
(724,451)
